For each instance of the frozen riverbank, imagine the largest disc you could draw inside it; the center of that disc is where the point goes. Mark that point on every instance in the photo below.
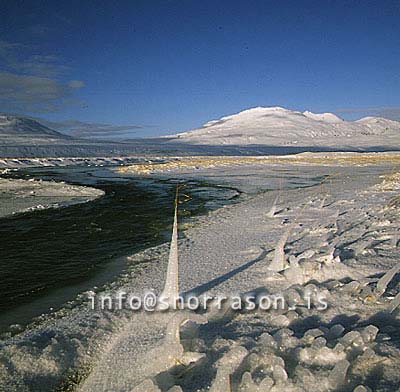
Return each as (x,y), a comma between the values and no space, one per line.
(343,234)
(17,195)
(86,244)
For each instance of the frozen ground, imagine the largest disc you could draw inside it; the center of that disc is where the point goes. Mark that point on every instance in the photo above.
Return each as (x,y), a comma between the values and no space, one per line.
(333,232)
(27,195)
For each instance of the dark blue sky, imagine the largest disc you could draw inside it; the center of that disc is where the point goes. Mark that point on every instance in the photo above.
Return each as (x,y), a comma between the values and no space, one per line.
(173,65)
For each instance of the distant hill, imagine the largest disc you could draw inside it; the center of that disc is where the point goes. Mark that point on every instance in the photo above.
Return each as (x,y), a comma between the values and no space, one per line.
(16,127)
(25,137)
(276,126)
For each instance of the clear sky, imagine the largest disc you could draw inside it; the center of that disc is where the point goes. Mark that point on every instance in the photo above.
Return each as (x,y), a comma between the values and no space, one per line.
(168,66)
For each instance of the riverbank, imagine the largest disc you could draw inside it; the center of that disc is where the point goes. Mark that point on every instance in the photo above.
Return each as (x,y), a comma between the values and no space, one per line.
(17,195)
(86,244)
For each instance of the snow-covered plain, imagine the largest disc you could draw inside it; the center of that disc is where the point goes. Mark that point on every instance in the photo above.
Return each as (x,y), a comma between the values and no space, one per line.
(276,126)
(344,234)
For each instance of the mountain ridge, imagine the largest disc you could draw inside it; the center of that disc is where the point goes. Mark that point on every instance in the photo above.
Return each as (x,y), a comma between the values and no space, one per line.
(256,131)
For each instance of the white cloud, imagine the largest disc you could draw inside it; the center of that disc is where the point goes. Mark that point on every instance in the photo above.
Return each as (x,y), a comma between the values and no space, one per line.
(76,84)
(29,81)
(92,130)
(32,93)
(23,59)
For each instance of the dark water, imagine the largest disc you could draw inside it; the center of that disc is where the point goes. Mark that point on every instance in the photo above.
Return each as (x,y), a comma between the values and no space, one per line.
(49,250)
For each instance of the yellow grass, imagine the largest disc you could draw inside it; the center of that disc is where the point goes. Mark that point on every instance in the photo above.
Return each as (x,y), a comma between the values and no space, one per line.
(391,182)
(184,163)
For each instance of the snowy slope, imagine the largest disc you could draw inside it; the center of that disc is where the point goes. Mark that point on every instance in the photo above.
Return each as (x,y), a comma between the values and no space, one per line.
(276,126)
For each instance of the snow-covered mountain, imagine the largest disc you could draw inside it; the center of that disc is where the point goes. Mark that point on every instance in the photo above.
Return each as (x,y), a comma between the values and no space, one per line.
(276,126)
(15,126)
